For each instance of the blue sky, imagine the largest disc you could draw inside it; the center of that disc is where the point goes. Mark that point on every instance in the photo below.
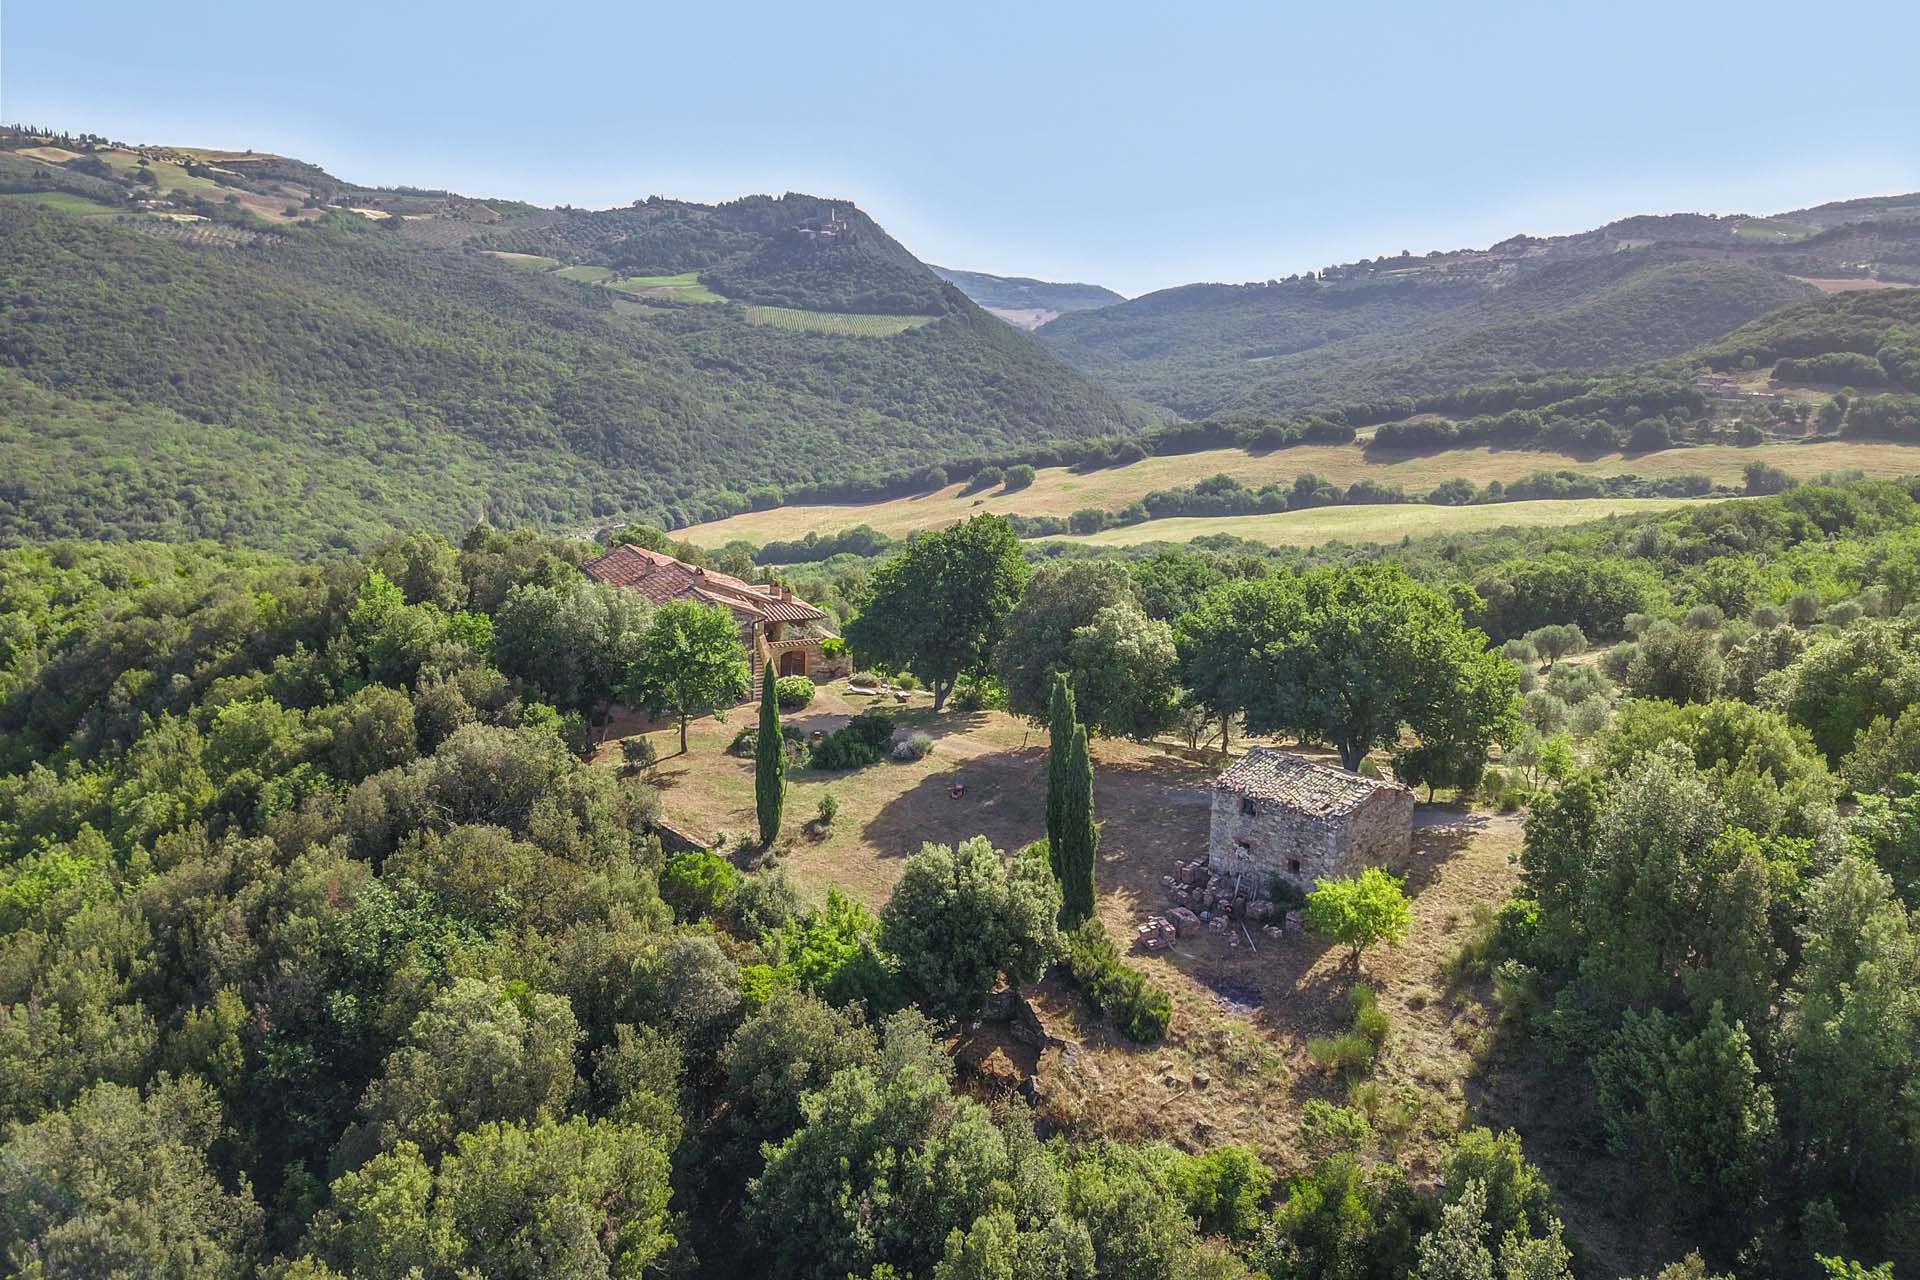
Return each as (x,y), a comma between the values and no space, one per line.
(1132,145)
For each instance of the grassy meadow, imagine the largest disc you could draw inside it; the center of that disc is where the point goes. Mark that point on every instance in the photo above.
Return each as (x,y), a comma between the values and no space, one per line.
(64,201)
(1380,523)
(531,261)
(685,287)
(1059,491)
(859,326)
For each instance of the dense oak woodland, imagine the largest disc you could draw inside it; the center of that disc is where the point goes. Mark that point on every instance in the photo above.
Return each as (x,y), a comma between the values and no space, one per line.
(320,944)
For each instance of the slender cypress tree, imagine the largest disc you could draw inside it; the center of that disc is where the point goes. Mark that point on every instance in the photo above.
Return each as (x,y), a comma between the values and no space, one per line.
(1061,719)
(1078,836)
(769,763)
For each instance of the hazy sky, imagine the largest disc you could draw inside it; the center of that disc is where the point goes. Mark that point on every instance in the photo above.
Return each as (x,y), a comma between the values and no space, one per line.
(1133,145)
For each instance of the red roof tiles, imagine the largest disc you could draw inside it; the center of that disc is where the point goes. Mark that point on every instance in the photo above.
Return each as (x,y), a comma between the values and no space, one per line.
(661,578)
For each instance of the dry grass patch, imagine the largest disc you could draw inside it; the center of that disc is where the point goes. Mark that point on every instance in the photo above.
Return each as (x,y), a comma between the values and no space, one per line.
(1851,284)
(1235,1065)
(1060,491)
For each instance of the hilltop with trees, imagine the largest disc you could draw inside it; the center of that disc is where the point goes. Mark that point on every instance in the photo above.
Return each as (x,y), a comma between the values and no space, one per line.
(315,380)
(1640,289)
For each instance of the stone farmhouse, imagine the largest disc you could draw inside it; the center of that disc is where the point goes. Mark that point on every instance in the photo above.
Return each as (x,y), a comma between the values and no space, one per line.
(775,625)
(1278,815)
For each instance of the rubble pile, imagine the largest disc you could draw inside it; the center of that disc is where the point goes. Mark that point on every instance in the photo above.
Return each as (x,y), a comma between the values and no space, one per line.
(1204,901)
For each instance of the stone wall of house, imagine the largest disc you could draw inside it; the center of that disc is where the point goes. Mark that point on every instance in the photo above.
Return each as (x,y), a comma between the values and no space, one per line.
(1290,845)
(1276,839)
(1380,830)
(825,668)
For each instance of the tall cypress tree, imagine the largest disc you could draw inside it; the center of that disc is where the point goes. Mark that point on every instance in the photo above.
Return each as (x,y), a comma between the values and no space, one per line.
(769,763)
(1061,719)
(1078,836)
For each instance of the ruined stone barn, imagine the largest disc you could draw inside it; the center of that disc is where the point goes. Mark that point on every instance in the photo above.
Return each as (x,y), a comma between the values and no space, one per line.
(1276,814)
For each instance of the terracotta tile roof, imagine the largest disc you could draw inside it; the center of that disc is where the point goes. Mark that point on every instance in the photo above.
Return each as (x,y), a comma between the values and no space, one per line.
(661,578)
(1304,786)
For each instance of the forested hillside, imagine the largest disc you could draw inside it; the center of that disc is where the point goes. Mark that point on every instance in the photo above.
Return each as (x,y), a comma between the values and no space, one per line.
(298,384)
(1211,349)
(1639,289)
(790,251)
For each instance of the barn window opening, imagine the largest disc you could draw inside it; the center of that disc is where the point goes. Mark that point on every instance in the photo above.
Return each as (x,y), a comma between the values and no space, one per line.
(1247,807)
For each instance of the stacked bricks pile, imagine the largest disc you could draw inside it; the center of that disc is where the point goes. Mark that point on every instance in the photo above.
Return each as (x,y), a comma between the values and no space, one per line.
(1205,900)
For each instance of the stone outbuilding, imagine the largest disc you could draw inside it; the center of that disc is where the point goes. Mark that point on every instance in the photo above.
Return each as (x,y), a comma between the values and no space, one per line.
(1279,815)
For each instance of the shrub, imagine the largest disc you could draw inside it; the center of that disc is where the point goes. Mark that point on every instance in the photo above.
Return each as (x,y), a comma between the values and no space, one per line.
(792,692)
(1087,520)
(1140,1009)
(1617,661)
(698,884)
(1369,1019)
(985,478)
(639,753)
(1356,1048)
(1018,476)
(746,742)
(979,693)
(1224,1189)
(1349,1051)
(829,810)
(863,741)
(1327,1129)
(1679,666)
(1556,641)
(914,747)
(1359,911)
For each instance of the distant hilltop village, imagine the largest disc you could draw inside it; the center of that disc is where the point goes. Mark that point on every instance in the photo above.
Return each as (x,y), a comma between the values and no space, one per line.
(833,227)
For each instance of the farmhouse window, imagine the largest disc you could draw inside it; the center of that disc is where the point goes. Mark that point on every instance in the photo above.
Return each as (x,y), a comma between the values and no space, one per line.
(1293,865)
(1247,807)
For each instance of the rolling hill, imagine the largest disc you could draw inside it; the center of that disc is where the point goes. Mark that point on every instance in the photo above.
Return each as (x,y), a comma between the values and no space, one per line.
(1023,301)
(178,364)
(1640,289)
(1670,430)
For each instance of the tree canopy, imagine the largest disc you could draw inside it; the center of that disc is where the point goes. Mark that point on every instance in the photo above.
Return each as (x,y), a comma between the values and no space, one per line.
(939,608)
